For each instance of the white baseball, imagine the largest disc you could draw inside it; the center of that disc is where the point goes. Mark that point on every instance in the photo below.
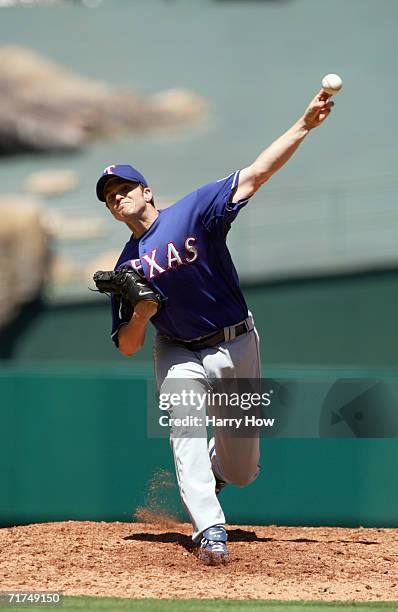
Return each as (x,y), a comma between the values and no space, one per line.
(332,83)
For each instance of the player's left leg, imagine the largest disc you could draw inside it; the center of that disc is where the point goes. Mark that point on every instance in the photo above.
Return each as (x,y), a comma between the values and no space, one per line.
(236,457)
(179,371)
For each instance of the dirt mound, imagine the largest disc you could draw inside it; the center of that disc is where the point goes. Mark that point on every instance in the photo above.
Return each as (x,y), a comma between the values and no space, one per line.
(145,560)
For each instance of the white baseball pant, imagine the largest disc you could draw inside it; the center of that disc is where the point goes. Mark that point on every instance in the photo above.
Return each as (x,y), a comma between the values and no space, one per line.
(236,459)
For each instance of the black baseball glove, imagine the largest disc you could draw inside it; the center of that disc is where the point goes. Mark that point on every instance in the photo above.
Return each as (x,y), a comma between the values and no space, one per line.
(128,284)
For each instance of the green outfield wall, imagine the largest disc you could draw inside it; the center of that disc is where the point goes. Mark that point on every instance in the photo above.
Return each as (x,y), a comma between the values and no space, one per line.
(74,445)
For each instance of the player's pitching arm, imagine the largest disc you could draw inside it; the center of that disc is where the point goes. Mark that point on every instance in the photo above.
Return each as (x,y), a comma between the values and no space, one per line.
(280,151)
(131,336)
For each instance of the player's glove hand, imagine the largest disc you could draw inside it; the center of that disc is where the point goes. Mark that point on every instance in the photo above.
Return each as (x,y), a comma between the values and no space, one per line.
(129,284)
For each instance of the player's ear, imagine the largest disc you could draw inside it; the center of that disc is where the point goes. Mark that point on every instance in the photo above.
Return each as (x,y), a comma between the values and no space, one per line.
(148,196)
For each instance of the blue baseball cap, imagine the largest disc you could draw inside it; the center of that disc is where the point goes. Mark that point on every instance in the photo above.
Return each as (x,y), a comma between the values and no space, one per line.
(122,171)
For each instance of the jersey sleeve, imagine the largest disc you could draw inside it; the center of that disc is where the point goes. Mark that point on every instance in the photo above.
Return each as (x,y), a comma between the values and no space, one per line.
(214,203)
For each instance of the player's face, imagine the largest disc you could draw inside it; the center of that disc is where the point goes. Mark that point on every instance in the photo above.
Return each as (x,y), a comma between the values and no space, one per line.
(126,200)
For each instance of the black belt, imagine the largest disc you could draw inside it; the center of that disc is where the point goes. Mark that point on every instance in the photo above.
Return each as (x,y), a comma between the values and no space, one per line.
(214,339)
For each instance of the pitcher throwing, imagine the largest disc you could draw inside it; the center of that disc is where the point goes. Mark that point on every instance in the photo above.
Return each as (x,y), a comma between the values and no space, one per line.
(189,289)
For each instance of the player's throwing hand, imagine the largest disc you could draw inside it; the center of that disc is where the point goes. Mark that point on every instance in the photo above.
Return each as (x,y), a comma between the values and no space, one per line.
(318,109)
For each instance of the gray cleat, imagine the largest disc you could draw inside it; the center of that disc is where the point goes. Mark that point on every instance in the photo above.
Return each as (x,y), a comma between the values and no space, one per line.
(213,548)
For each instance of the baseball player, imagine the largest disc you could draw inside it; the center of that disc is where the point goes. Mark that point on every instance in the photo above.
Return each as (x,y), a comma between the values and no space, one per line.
(189,289)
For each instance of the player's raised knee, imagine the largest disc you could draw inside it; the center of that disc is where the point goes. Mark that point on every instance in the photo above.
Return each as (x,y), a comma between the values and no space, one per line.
(243,479)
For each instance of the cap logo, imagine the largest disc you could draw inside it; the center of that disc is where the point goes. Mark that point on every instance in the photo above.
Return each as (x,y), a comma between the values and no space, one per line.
(109,169)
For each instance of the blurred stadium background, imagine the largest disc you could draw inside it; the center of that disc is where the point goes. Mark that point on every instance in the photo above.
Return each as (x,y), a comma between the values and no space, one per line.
(316,249)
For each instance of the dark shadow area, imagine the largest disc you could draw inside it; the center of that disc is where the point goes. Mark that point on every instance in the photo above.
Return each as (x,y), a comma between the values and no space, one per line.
(234,535)
(11,332)
(81,330)
(170,537)
(349,276)
(326,316)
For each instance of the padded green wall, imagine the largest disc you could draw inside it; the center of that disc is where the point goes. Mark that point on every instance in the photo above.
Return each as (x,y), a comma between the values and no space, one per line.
(74,446)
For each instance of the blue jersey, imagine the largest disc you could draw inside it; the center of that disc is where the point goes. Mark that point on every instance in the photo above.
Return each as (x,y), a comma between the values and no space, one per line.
(185,257)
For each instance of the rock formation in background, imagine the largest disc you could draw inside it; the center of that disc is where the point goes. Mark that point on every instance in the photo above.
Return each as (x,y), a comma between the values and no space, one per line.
(51,182)
(44,107)
(24,254)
